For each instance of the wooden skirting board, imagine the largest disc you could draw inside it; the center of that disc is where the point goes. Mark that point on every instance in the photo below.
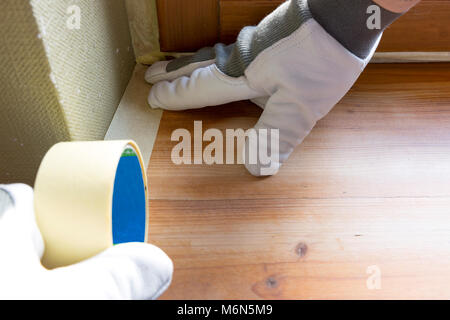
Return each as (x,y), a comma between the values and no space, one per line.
(410,57)
(189,25)
(381,57)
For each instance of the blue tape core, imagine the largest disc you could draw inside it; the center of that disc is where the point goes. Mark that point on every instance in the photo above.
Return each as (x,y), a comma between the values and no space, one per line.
(128,210)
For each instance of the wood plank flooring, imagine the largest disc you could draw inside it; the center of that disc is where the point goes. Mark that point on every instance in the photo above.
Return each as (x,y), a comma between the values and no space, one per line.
(367,193)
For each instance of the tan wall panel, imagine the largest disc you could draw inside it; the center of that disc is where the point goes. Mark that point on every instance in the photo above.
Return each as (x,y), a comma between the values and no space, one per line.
(143,21)
(31,119)
(56,83)
(90,66)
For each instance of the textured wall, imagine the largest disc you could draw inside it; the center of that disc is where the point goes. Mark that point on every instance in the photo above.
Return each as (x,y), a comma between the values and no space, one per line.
(143,18)
(58,83)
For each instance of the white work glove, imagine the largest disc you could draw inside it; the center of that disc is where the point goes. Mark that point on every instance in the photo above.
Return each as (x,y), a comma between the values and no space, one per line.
(125,271)
(297,80)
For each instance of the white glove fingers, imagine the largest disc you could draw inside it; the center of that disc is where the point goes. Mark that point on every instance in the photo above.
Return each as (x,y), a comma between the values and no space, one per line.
(6,201)
(158,71)
(290,120)
(205,87)
(18,223)
(127,271)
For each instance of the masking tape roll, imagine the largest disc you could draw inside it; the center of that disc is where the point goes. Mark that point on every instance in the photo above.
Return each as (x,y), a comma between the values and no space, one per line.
(90,196)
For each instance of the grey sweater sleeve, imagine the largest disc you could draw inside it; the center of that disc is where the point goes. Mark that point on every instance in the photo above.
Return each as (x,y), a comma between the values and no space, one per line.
(346,21)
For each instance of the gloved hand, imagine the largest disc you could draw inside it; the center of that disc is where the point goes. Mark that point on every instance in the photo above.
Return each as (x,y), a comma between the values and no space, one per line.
(125,271)
(288,65)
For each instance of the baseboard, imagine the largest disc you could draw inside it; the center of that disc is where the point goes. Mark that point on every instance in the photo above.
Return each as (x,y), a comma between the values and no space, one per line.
(410,57)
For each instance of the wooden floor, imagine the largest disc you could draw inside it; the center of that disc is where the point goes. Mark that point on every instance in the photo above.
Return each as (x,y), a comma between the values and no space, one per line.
(368,190)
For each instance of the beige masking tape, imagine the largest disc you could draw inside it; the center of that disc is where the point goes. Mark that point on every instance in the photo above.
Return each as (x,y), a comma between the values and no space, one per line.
(90,196)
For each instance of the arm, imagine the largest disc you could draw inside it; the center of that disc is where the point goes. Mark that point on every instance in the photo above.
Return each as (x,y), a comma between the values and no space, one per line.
(397,6)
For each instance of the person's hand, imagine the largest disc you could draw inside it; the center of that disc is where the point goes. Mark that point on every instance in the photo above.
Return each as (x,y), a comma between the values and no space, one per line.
(125,271)
(288,65)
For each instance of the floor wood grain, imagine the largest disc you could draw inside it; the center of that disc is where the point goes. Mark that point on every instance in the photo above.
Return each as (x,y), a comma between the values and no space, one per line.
(369,187)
